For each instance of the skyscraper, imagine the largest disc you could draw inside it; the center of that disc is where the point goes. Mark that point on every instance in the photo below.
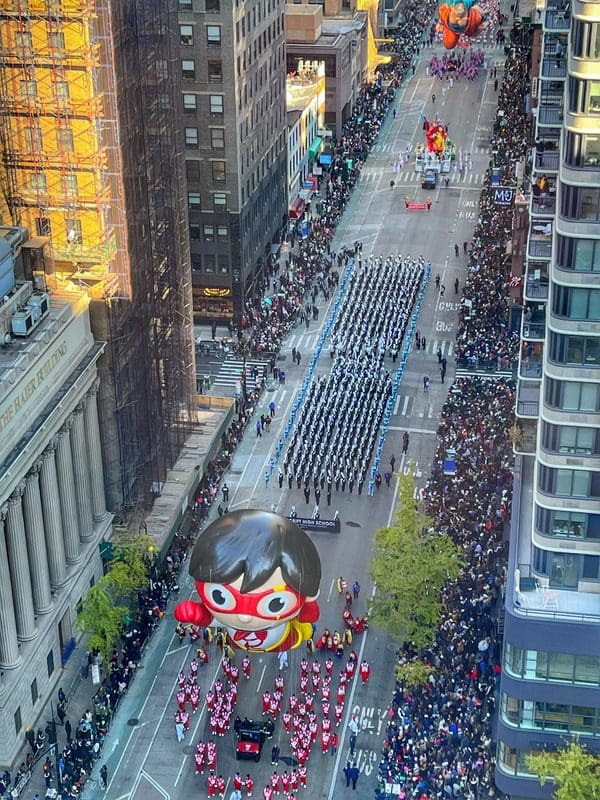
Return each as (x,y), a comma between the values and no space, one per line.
(551,667)
(92,151)
(233,70)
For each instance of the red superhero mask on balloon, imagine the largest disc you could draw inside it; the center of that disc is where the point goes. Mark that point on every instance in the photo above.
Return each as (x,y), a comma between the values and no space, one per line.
(257,576)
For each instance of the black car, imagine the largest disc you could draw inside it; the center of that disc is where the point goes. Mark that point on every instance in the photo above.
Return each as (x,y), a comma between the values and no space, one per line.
(430,179)
(251,737)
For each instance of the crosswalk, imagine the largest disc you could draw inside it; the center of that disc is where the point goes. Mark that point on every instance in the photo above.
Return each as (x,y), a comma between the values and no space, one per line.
(393,148)
(373,175)
(230,371)
(406,406)
(502,374)
(305,342)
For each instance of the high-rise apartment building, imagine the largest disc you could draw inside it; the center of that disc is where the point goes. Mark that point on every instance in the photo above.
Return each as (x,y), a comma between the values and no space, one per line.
(550,685)
(232,100)
(92,157)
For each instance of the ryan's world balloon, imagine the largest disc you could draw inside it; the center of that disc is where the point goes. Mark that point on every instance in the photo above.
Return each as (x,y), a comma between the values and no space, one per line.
(257,576)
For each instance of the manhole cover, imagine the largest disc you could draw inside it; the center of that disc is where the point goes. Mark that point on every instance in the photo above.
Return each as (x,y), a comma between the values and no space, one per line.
(281,358)
(289,760)
(271,388)
(352,524)
(133,722)
(188,750)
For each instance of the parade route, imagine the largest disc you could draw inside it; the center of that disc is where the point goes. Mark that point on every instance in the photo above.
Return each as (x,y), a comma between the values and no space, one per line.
(144,759)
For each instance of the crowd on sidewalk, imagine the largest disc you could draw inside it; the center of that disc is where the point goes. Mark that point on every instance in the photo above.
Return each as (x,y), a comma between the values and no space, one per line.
(484,338)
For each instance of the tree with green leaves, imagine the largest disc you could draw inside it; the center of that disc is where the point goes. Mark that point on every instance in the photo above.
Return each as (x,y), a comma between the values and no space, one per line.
(104,611)
(574,771)
(412,674)
(411,565)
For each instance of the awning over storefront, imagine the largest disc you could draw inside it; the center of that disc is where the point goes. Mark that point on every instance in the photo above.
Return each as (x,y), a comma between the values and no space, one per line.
(315,147)
(305,194)
(296,209)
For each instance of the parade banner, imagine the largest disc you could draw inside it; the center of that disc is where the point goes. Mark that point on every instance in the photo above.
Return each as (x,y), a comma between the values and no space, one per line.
(324,525)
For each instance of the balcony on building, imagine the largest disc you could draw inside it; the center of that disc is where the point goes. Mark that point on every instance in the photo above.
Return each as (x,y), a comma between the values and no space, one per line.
(533,322)
(554,60)
(524,436)
(537,281)
(546,155)
(531,360)
(535,595)
(557,18)
(543,196)
(540,240)
(528,399)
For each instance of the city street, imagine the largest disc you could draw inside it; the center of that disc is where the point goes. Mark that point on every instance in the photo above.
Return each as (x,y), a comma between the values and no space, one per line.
(144,759)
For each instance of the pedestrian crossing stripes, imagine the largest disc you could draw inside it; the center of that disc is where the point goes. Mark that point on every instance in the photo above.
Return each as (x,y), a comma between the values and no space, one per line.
(306,341)
(373,175)
(393,148)
(412,406)
(503,374)
(230,373)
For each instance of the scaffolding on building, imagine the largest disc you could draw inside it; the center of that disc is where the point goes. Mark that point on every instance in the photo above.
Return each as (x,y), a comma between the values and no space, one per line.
(92,155)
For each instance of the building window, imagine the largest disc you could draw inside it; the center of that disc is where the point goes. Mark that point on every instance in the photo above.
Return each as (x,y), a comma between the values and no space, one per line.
(23,40)
(218,171)
(191,137)
(188,69)
(56,40)
(213,6)
(43,226)
(213,35)
(575,303)
(61,90)
(190,103)
(37,182)
(192,170)
(536,715)
(73,230)
(575,350)
(186,35)
(215,71)
(580,255)
(219,201)
(217,138)
(216,104)
(194,200)
(18,721)
(580,203)
(28,89)
(209,263)
(186,5)
(222,233)
(568,482)
(208,233)
(593,97)
(572,395)
(194,231)
(223,265)
(571,524)
(568,439)
(50,663)
(34,691)
(70,186)
(196,264)
(64,139)
(33,139)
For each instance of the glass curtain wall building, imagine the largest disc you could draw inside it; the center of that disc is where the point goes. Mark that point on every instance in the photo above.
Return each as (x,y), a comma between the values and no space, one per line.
(551,670)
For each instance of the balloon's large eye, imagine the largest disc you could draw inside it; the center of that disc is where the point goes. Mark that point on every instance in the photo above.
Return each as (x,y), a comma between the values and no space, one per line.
(276,604)
(219,596)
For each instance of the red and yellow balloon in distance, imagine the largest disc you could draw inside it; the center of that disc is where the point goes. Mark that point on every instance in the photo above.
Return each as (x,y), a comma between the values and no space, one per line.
(257,576)
(436,134)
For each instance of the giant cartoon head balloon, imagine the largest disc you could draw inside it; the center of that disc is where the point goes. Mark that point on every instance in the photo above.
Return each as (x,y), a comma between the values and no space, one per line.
(459,19)
(257,576)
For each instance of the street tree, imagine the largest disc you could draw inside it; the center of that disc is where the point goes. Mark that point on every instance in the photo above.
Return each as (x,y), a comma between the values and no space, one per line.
(105,609)
(411,565)
(413,674)
(573,769)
